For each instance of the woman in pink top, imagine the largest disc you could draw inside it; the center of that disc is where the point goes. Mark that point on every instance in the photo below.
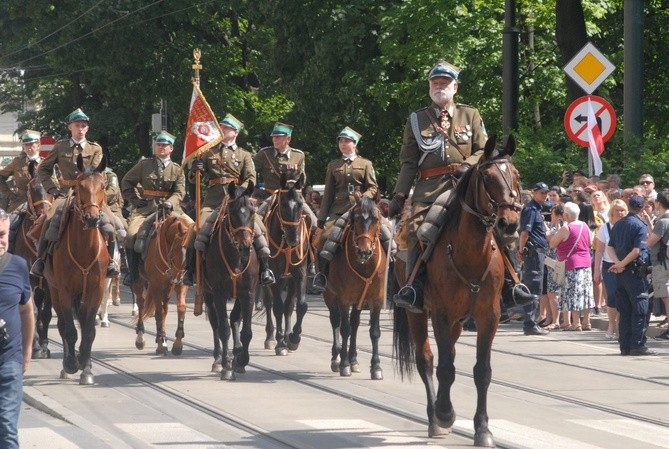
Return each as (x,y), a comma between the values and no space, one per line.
(573,244)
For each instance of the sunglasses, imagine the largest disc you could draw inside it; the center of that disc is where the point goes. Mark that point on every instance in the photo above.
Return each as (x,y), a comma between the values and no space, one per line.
(645,183)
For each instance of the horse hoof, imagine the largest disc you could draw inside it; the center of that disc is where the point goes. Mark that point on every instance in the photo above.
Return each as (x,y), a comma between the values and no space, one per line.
(377,374)
(270,344)
(134,312)
(39,354)
(177,350)
(64,375)
(293,342)
(355,367)
(281,351)
(334,365)
(116,302)
(86,379)
(239,369)
(161,350)
(228,375)
(216,368)
(345,371)
(104,324)
(483,439)
(436,431)
(139,344)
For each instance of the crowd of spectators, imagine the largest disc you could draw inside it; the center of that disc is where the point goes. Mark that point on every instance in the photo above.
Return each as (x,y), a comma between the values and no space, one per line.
(579,214)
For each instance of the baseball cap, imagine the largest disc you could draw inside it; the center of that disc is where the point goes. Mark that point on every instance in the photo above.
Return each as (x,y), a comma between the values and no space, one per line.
(636,202)
(540,187)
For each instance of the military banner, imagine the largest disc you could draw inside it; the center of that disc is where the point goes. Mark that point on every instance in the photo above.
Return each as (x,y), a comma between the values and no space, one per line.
(203,131)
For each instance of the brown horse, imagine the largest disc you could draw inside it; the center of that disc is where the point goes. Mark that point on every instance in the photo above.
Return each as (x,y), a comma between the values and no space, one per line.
(231,271)
(161,273)
(288,235)
(357,276)
(464,279)
(38,204)
(77,269)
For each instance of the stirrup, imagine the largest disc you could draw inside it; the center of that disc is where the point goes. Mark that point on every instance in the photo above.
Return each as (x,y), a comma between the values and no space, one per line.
(37,269)
(267,277)
(320,282)
(401,301)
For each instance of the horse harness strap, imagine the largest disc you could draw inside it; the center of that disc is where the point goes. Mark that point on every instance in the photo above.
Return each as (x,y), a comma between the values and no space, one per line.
(234,275)
(367,280)
(157,193)
(223,180)
(437,171)
(70,183)
(474,289)
(509,267)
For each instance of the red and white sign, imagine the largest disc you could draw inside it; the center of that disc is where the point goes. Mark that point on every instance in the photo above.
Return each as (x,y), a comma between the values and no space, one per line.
(46,145)
(576,119)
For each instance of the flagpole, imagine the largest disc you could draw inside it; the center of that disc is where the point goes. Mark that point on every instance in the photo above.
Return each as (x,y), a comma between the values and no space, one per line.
(197,307)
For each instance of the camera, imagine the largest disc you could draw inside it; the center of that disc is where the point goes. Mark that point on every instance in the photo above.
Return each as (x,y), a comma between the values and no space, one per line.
(4,336)
(640,268)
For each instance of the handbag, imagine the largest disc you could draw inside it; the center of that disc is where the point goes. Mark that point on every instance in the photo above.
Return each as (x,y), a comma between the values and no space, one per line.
(558,266)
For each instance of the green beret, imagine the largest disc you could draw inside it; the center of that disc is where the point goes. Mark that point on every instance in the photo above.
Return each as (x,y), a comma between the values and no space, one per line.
(281,129)
(232,121)
(444,69)
(77,116)
(30,136)
(165,137)
(349,134)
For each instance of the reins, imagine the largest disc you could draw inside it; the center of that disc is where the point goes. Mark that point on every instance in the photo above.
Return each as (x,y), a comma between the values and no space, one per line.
(300,252)
(230,232)
(354,240)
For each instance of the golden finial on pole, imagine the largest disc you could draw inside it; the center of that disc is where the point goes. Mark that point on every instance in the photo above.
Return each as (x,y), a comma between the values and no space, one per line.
(197,54)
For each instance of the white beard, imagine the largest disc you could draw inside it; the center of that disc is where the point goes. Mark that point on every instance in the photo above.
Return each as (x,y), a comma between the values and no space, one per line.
(441,97)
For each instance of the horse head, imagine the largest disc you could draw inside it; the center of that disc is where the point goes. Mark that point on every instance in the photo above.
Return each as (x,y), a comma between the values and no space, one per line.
(90,192)
(240,216)
(497,190)
(289,211)
(176,235)
(38,198)
(366,228)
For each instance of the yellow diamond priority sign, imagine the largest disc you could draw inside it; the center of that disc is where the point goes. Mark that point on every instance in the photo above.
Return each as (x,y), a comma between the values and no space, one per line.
(589,68)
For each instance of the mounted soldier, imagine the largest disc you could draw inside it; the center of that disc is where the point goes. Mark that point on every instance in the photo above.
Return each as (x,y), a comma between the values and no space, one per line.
(64,154)
(17,169)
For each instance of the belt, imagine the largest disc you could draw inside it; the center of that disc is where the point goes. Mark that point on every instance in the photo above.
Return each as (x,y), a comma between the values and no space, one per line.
(436,171)
(223,180)
(68,183)
(156,193)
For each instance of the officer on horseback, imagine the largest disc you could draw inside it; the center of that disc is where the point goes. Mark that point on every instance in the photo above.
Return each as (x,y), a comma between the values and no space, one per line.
(64,154)
(271,162)
(153,184)
(18,170)
(344,177)
(221,165)
(440,143)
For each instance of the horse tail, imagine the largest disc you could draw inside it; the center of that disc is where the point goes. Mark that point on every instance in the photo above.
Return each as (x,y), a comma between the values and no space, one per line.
(403,346)
(148,309)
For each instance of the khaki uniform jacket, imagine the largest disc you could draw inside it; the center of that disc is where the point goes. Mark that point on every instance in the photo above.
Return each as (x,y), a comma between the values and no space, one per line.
(225,162)
(113,191)
(342,179)
(18,169)
(150,175)
(270,164)
(65,156)
(467,130)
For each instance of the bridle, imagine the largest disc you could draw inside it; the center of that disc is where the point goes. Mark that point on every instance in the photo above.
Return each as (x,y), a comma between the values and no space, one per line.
(286,223)
(83,208)
(230,232)
(169,261)
(489,219)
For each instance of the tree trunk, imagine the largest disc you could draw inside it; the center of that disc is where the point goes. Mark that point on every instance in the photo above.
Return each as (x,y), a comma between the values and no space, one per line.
(571,36)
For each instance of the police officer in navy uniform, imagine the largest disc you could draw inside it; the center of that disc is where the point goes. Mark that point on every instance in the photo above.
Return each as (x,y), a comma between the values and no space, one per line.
(64,154)
(626,246)
(344,176)
(532,248)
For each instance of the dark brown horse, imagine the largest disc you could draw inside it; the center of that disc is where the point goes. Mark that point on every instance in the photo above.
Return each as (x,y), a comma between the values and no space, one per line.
(357,276)
(464,279)
(231,271)
(77,269)
(161,273)
(38,204)
(288,235)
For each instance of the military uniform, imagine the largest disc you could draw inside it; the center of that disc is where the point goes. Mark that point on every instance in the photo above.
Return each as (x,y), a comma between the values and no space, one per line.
(18,170)
(271,164)
(114,197)
(148,184)
(343,178)
(429,159)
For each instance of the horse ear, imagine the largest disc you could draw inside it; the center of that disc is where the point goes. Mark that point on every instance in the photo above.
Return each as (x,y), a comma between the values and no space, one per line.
(232,187)
(80,162)
(102,165)
(490,146)
(300,182)
(249,189)
(510,147)
(31,169)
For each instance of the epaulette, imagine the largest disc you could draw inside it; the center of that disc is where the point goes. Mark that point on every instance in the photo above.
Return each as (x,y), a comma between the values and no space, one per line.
(462,105)
(266,149)
(422,109)
(93,143)
(296,150)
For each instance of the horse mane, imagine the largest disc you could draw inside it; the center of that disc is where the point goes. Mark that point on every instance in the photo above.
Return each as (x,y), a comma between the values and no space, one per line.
(368,206)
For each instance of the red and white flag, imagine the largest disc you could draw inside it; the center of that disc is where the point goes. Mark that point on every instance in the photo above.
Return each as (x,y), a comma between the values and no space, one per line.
(203,131)
(595,141)
(46,144)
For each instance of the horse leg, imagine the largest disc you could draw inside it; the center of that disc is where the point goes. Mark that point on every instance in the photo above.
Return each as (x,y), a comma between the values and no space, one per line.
(375,335)
(335,323)
(102,312)
(87,323)
(447,333)
(68,333)
(178,346)
(139,302)
(482,377)
(217,366)
(353,341)
(278,310)
(116,291)
(227,373)
(240,320)
(270,341)
(44,316)
(345,331)
(302,306)
(161,346)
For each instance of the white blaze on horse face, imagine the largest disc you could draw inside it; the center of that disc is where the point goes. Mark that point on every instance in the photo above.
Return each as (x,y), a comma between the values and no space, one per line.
(365,215)
(504,167)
